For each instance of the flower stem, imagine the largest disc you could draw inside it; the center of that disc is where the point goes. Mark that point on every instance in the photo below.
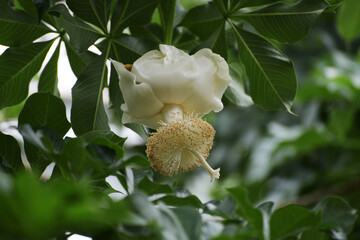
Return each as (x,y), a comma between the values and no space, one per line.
(168,23)
(213,173)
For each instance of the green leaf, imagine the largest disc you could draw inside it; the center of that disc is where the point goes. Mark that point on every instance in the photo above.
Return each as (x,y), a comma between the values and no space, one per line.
(225,208)
(337,214)
(284,22)
(17,27)
(88,112)
(178,14)
(40,146)
(271,74)
(79,160)
(139,129)
(190,201)
(10,154)
(204,20)
(151,188)
(348,20)
(246,210)
(43,6)
(77,61)
(151,31)
(131,13)
(171,14)
(128,49)
(54,206)
(17,67)
(48,79)
(81,34)
(235,93)
(45,110)
(115,93)
(312,234)
(235,5)
(333,5)
(135,161)
(216,42)
(96,12)
(28,6)
(190,220)
(108,139)
(291,220)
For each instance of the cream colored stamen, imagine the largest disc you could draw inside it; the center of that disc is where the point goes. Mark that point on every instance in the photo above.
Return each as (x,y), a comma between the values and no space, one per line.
(213,173)
(181,144)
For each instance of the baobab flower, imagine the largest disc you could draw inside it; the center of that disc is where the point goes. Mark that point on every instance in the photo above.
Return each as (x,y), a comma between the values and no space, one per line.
(169,90)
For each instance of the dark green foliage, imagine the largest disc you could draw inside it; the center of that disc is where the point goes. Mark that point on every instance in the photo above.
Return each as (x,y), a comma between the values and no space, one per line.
(279,172)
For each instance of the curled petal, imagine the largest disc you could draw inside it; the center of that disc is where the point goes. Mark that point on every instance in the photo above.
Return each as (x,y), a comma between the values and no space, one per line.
(171,73)
(211,85)
(140,100)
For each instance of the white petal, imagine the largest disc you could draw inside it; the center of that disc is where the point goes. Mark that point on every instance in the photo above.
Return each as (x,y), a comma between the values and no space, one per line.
(171,73)
(140,100)
(213,81)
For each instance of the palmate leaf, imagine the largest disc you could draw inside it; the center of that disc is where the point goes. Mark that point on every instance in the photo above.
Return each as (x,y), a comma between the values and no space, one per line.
(96,12)
(88,112)
(285,23)
(78,61)
(131,13)
(204,20)
(127,49)
(235,5)
(271,74)
(17,67)
(81,34)
(17,27)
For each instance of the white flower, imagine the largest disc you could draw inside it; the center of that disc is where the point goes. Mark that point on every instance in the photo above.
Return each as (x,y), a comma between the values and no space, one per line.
(170,76)
(169,90)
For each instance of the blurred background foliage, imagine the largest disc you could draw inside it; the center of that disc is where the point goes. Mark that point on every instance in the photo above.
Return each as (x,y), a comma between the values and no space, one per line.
(283,176)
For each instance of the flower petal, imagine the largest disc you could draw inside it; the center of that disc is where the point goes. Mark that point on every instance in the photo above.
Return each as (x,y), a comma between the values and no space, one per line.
(213,81)
(171,73)
(140,100)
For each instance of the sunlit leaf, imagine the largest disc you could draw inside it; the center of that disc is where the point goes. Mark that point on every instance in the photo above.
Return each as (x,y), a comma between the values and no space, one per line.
(131,13)
(17,67)
(17,27)
(96,12)
(284,22)
(49,76)
(271,74)
(88,112)
(81,34)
